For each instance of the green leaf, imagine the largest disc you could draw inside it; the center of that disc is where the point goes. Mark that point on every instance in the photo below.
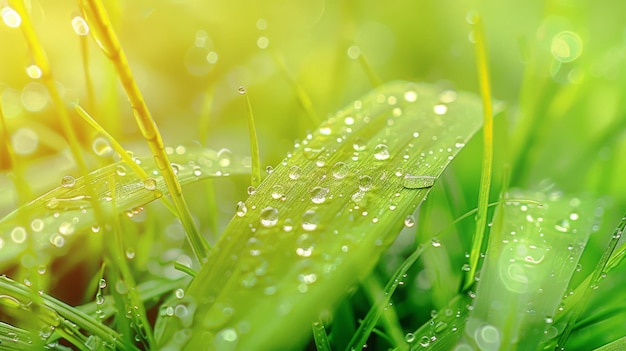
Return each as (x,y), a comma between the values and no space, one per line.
(322,219)
(532,254)
(57,216)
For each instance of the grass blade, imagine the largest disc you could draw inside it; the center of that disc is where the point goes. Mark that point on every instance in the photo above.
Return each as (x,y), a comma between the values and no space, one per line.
(369,322)
(67,210)
(487,162)
(533,252)
(111,46)
(345,193)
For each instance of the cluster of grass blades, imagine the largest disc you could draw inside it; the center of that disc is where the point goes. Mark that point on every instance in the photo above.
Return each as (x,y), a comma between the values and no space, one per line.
(360,238)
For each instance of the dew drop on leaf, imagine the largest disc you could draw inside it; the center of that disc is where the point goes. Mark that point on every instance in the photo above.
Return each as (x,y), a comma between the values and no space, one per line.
(269,217)
(365,183)
(150,184)
(417,182)
(340,170)
(242,209)
(224,158)
(101,147)
(381,152)
(295,172)
(251,190)
(277,191)
(319,194)
(440,109)
(18,235)
(68,181)
(409,337)
(310,220)
(80,26)
(562,226)
(409,221)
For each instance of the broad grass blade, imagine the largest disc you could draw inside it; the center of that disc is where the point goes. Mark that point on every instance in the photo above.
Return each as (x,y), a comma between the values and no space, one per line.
(322,219)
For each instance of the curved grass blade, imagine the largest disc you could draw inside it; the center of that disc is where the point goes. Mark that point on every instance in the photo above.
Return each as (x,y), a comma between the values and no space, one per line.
(533,252)
(54,217)
(532,255)
(58,316)
(322,219)
(369,322)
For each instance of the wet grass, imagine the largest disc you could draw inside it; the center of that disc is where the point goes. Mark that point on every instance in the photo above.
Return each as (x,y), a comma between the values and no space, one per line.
(394,223)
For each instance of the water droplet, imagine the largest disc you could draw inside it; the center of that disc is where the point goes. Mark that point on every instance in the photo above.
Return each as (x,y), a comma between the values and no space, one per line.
(269,217)
(574,216)
(440,109)
(305,245)
(319,194)
(242,209)
(99,299)
(80,26)
(57,240)
(251,190)
(308,279)
(101,147)
(295,172)
(150,184)
(241,90)
(288,225)
(68,181)
(418,182)
(424,341)
(224,158)
(409,221)
(562,226)
(410,96)
(354,52)
(321,161)
(130,253)
(435,242)
(381,152)
(277,191)
(66,228)
(18,235)
(365,183)
(312,153)
(226,339)
(10,17)
(37,225)
(340,170)
(263,42)
(120,170)
(448,96)
(466,267)
(567,46)
(179,293)
(269,169)
(102,283)
(359,144)
(310,220)
(33,71)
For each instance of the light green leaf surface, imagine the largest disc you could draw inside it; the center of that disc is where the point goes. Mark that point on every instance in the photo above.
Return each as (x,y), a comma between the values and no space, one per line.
(322,219)
(58,216)
(533,252)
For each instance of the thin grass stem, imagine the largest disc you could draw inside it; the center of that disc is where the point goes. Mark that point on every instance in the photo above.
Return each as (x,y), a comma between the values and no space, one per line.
(487,161)
(106,37)
(254,140)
